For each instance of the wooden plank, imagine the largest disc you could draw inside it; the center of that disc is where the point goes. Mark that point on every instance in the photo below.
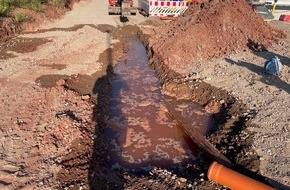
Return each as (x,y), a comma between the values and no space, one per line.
(197,137)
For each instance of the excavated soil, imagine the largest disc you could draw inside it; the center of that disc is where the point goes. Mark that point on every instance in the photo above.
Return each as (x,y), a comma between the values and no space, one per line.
(214,29)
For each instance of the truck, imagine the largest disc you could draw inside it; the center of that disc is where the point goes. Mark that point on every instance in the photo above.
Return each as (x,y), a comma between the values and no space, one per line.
(279,3)
(260,7)
(266,8)
(121,7)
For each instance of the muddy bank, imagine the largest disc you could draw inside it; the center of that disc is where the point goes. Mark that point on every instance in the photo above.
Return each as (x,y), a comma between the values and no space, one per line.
(232,138)
(211,46)
(233,141)
(52,133)
(213,53)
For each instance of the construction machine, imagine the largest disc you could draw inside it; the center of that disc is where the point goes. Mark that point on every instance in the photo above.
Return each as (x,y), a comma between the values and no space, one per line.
(260,7)
(121,7)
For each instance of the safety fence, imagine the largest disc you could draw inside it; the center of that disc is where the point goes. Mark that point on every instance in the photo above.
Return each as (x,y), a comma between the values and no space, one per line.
(160,8)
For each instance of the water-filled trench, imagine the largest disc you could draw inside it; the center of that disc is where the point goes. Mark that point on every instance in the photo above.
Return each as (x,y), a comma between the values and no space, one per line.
(140,132)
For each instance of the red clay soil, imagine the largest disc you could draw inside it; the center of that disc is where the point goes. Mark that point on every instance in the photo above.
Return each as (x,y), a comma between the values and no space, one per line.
(211,29)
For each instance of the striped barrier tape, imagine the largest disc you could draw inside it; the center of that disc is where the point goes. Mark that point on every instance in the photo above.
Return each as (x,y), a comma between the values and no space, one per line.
(164,8)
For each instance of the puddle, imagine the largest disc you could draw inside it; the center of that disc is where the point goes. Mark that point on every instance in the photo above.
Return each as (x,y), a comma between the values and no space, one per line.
(140,132)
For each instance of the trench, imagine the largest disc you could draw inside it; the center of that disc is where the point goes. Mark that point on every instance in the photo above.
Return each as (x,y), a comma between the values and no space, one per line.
(140,133)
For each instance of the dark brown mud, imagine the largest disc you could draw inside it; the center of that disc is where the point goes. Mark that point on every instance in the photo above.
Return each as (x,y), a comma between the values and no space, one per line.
(20,45)
(49,81)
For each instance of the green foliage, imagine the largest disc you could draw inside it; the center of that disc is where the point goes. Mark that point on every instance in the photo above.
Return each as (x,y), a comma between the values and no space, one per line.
(7,5)
(56,2)
(4,7)
(21,17)
(31,4)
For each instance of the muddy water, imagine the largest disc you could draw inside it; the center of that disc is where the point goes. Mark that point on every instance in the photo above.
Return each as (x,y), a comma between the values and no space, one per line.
(140,132)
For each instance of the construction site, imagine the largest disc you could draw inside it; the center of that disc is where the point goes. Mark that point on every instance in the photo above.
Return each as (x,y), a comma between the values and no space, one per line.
(145,94)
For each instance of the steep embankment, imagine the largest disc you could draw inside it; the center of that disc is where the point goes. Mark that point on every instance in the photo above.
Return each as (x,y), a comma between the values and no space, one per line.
(17,17)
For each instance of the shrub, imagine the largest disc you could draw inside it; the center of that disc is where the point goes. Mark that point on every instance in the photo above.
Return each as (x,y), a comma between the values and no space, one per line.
(56,2)
(31,4)
(7,5)
(4,7)
(21,17)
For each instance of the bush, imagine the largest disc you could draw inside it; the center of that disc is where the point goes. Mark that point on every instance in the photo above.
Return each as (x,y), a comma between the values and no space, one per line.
(56,2)
(21,17)
(4,7)
(31,4)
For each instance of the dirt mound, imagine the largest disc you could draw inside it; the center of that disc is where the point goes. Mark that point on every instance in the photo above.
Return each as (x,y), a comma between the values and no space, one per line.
(210,29)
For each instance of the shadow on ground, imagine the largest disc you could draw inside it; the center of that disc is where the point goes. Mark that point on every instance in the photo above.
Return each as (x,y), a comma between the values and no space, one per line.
(100,176)
(267,79)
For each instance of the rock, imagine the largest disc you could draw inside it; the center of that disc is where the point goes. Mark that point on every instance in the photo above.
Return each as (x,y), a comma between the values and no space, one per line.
(60,82)
(183,180)
(6,179)
(222,101)
(85,97)
(212,107)
(9,168)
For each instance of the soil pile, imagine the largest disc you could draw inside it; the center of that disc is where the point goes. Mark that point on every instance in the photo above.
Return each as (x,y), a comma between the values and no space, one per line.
(211,29)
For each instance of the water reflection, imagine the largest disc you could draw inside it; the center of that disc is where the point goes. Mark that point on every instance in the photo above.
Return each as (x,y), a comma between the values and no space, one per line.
(140,133)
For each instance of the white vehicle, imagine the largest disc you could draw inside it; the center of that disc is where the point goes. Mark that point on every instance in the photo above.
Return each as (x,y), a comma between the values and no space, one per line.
(266,8)
(280,3)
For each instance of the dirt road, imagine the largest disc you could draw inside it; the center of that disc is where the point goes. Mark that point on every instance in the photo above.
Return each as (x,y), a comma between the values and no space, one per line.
(53,105)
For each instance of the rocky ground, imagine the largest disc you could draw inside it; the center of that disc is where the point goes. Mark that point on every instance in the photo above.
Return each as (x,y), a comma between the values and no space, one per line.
(55,92)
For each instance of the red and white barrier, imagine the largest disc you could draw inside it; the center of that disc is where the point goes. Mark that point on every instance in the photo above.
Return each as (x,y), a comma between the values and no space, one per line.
(163,8)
